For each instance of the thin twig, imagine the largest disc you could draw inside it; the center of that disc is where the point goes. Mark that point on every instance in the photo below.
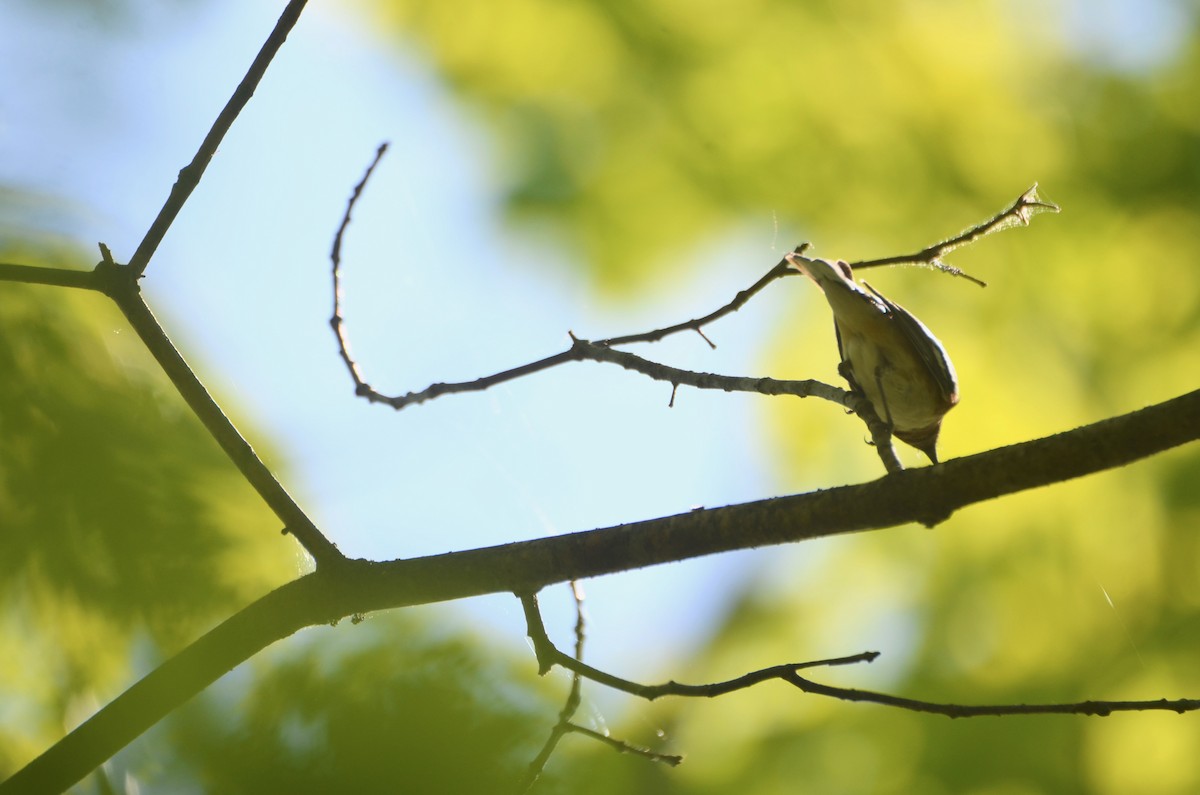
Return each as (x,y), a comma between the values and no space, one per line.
(336,321)
(881,433)
(565,723)
(1027,205)
(1095,708)
(603,350)
(574,698)
(621,746)
(781,269)
(189,175)
(788,672)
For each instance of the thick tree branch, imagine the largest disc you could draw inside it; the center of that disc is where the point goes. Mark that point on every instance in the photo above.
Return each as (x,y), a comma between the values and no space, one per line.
(928,495)
(189,175)
(54,277)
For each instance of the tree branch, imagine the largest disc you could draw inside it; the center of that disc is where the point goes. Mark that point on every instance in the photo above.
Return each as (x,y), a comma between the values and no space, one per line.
(1097,708)
(928,495)
(54,277)
(189,175)
(1027,205)
(222,429)
(603,351)
(1019,212)
(781,269)
(565,724)
(548,654)
(120,283)
(336,321)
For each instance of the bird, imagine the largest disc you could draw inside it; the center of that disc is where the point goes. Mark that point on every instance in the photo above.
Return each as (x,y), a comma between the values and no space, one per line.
(887,355)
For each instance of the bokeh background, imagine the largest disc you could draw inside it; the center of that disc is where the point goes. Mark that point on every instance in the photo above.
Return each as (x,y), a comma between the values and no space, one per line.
(603,168)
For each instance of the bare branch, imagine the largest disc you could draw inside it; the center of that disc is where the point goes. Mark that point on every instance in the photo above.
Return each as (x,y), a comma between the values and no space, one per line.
(574,697)
(1027,205)
(881,433)
(603,350)
(788,672)
(546,654)
(189,175)
(674,760)
(928,495)
(120,283)
(55,277)
(585,350)
(781,269)
(1097,708)
(335,255)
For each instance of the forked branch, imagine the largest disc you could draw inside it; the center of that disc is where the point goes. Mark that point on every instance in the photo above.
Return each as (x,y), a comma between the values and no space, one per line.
(1027,205)
(566,723)
(548,655)
(928,495)
(604,350)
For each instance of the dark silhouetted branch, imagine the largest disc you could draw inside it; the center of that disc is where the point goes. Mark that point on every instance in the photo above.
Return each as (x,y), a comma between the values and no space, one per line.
(257,474)
(189,175)
(566,724)
(604,350)
(120,283)
(781,269)
(928,495)
(336,321)
(54,277)
(548,655)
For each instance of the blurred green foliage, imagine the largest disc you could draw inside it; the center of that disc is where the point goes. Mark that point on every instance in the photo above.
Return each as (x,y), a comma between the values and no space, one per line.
(123,522)
(127,532)
(639,133)
(391,705)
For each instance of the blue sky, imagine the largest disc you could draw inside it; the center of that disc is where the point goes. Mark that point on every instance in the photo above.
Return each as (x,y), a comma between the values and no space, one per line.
(102,119)
(99,117)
